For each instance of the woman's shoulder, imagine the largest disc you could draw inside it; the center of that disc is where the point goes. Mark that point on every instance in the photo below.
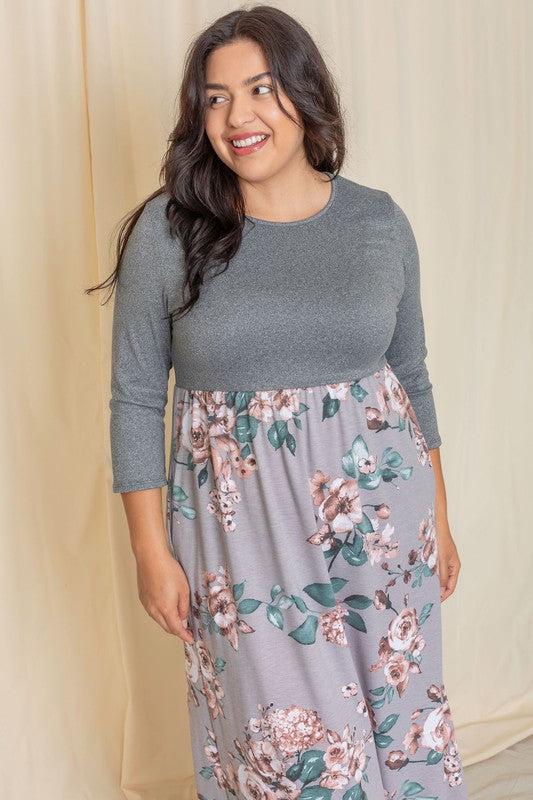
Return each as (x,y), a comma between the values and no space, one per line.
(366,200)
(369,205)
(154,215)
(152,256)
(155,208)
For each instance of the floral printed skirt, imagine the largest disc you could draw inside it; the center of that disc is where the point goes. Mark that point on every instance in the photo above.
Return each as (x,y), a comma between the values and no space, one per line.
(304,519)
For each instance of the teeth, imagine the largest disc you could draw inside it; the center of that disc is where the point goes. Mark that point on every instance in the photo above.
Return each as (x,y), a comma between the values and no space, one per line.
(248,142)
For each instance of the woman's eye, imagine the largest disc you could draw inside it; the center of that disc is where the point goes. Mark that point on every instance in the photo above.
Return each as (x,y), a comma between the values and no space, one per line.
(215,96)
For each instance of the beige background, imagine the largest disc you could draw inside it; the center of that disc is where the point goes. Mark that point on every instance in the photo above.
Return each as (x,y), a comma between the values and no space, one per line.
(437,96)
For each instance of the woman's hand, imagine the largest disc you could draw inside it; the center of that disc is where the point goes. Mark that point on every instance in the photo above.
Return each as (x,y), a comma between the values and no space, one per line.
(449,564)
(163,586)
(164,591)
(448,557)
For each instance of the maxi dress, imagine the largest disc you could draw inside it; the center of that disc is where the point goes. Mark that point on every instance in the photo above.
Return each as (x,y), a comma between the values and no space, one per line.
(304,519)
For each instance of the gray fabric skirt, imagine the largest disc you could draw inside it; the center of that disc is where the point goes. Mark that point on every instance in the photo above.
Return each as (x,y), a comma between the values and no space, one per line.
(304,519)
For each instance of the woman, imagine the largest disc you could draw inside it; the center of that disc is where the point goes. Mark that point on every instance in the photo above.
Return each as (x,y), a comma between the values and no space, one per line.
(306,548)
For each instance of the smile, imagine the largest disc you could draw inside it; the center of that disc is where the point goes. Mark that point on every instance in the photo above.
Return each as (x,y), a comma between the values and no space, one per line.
(244,149)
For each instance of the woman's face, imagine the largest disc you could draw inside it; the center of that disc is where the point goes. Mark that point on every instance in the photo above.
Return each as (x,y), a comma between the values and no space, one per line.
(237,111)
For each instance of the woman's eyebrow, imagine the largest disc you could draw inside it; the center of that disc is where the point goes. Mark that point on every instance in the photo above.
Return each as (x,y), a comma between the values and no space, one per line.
(245,82)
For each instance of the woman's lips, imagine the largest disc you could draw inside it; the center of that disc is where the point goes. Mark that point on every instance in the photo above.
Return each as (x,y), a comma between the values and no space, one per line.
(243,151)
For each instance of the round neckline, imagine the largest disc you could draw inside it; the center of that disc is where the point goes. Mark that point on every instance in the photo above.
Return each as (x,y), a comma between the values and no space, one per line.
(305,220)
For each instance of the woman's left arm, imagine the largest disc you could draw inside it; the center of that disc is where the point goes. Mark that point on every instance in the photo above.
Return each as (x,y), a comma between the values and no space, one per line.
(449,563)
(406,354)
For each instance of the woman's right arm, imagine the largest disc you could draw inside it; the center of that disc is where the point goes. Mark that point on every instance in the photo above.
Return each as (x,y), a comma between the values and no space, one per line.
(140,365)
(162,585)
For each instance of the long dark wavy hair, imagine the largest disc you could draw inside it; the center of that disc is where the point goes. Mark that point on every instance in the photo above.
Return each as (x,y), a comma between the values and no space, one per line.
(206,205)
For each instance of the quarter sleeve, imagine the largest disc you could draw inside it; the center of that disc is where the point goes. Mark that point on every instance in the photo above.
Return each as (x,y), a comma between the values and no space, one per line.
(407,350)
(140,364)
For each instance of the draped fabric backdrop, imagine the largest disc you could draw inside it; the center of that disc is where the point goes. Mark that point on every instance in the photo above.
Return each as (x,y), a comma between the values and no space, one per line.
(436,96)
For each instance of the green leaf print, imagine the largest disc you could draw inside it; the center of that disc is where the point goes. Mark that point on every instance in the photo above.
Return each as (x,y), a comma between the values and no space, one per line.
(188,512)
(369,480)
(358,601)
(248,606)
(353,554)
(285,602)
(365,526)
(306,632)
(433,757)
(355,621)
(350,459)
(359,449)
(355,793)
(245,452)
(219,665)
(330,406)
(300,603)
(394,459)
(241,400)
(274,616)
(405,472)
(424,614)
(202,476)
(382,740)
(315,793)
(238,589)
(294,770)
(207,772)
(275,590)
(245,427)
(311,765)
(388,475)
(338,583)
(290,441)
(357,391)
(178,494)
(230,399)
(348,465)
(324,593)
(411,788)
(387,723)
(277,433)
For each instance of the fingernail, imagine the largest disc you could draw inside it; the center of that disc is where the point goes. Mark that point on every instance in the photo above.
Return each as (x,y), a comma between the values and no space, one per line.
(185,623)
